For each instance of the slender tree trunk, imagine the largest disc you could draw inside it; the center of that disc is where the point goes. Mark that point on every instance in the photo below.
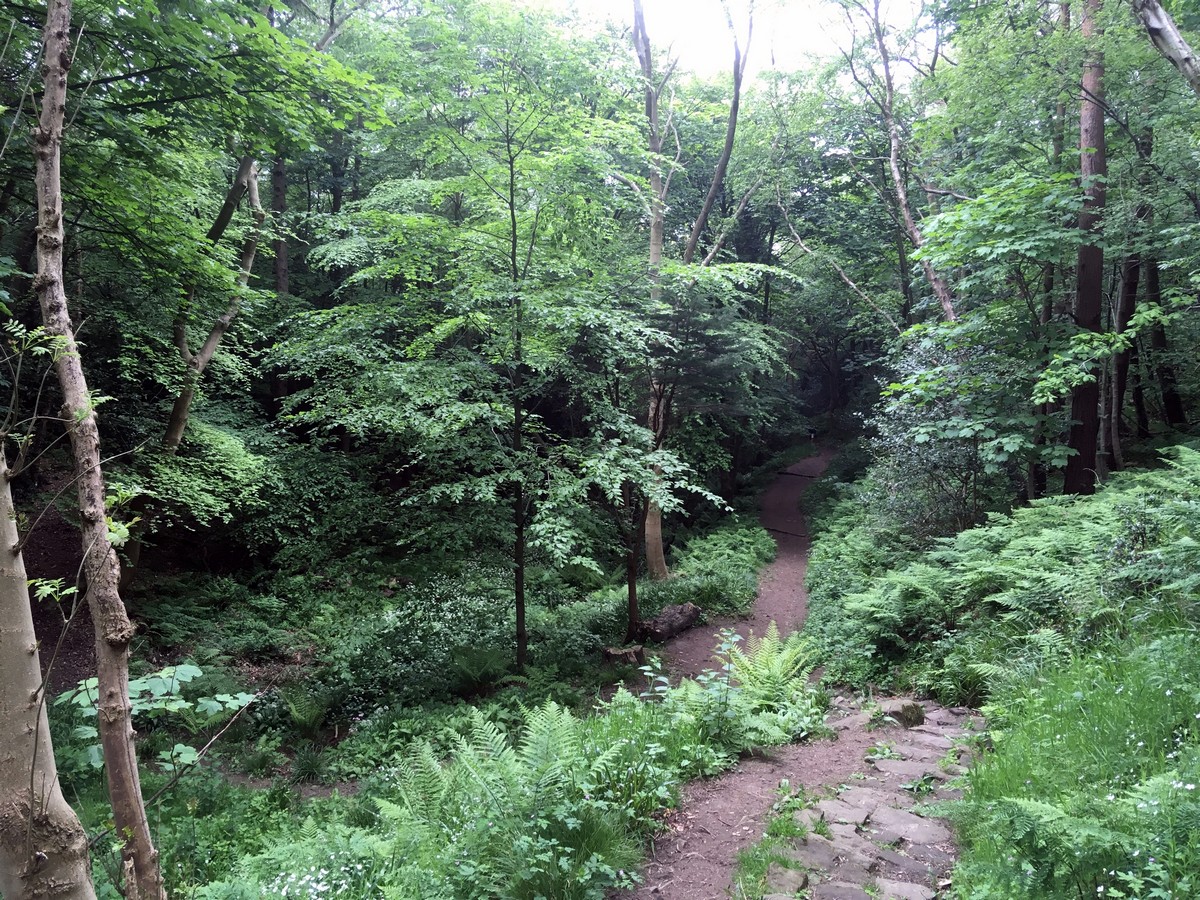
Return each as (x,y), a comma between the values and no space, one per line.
(1139,392)
(1173,412)
(1126,303)
(279,214)
(656,561)
(887,107)
(113,628)
(246,182)
(43,848)
(633,553)
(1080,476)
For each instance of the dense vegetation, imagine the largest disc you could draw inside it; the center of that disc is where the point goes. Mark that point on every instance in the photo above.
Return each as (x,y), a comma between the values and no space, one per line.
(422,337)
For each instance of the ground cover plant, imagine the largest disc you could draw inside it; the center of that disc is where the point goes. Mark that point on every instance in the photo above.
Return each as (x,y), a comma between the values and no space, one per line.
(1074,622)
(541,803)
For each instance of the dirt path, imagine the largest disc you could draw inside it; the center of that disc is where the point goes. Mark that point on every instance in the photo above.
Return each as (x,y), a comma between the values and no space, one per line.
(781,595)
(696,858)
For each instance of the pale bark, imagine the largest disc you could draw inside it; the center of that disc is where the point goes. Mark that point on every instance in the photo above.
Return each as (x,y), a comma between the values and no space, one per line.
(1080,477)
(112,625)
(1165,37)
(887,107)
(718,179)
(660,394)
(245,183)
(43,848)
(656,560)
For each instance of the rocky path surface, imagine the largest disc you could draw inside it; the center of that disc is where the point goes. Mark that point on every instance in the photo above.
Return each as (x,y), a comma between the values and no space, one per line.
(868,836)
(871,838)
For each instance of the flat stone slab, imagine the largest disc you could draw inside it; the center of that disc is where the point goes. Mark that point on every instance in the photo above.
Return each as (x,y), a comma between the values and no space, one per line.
(838,811)
(938,730)
(858,720)
(816,852)
(908,769)
(869,798)
(938,857)
(925,739)
(912,828)
(919,752)
(786,881)
(902,864)
(902,890)
(838,890)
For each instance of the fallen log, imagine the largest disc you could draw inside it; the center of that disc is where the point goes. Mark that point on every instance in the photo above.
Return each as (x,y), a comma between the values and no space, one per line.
(671,621)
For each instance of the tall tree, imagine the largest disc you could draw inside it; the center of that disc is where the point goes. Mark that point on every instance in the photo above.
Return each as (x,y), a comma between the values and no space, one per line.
(43,848)
(1080,477)
(662,393)
(114,631)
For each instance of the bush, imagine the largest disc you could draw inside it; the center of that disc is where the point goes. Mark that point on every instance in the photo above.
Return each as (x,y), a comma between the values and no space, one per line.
(408,653)
(997,602)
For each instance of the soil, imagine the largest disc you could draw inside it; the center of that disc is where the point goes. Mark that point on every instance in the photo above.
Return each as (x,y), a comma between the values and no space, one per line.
(53,550)
(781,595)
(695,859)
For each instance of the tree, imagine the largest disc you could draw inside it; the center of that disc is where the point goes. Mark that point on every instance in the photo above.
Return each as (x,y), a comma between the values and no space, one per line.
(43,847)
(1080,475)
(653,86)
(114,631)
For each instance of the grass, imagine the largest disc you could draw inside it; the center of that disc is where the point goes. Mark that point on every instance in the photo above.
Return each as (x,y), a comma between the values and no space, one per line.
(781,833)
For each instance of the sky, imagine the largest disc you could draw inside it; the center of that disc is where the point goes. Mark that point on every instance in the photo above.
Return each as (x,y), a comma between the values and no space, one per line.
(786,32)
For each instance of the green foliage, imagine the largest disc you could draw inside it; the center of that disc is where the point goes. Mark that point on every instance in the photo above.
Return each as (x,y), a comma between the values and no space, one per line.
(153,698)
(717,571)
(1006,599)
(1092,788)
(405,648)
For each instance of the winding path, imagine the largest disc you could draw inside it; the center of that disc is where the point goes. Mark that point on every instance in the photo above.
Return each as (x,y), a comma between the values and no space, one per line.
(781,595)
(696,857)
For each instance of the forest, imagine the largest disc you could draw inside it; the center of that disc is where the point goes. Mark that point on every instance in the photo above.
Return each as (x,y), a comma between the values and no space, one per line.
(380,375)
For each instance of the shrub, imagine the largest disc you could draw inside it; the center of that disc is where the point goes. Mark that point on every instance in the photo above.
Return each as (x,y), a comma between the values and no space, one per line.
(1092,790)
(407,654)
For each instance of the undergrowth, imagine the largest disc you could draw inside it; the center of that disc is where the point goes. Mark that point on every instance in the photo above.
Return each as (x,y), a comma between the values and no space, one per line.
(546,804)
(1075,621)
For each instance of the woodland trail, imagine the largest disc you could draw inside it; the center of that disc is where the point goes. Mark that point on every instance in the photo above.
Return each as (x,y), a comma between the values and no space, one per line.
(781,595)
(695,859)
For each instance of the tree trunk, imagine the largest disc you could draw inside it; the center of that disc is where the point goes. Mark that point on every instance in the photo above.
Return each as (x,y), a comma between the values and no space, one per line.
(1139,393)
(1126,303)
(887,107)
(633,553)
(1080,475)
(1168,41)
(113,628)
(279,214)
(245,182)
(46,855)
(656,562)
(1173,411)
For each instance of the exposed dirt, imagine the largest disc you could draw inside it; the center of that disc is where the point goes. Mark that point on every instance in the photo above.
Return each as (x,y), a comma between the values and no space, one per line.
(781,595)
(53,550)
(695,859)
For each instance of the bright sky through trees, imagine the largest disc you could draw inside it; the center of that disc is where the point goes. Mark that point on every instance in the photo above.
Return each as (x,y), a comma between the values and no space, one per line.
(785,31)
